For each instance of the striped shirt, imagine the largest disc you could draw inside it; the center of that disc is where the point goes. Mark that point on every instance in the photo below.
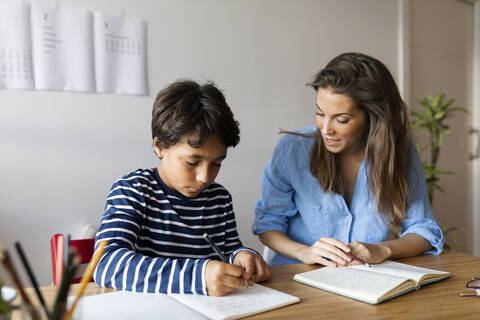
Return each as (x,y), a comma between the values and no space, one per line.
(155,235)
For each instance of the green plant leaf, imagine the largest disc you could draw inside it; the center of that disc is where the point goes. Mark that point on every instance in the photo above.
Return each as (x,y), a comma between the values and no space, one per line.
(439,115)
(448,104)
(440,138)
(437,101)
(436,109)
(452,109)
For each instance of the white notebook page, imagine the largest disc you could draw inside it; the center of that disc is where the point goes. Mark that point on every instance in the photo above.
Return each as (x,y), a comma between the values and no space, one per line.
(238,304)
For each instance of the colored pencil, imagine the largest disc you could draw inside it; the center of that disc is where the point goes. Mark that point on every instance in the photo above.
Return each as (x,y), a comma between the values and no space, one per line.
(86,277)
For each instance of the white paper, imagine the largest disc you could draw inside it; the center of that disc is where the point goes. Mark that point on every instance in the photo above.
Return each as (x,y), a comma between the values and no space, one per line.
(239,303)
(130,305)
(352,282)
(120,57)
(121,305)
(16,69)
(62,48)
(400,269)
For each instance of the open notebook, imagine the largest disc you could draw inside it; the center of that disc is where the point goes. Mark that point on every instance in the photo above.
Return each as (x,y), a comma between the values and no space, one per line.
(131,305)
(373,284)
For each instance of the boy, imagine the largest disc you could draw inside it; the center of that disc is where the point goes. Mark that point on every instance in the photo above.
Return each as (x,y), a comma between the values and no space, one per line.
(154,218)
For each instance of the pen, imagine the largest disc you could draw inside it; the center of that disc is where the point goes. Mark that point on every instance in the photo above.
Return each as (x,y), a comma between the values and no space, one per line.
(220,254)
(31,275)
(59,307)
(66,247)
(214,247)
(354,257)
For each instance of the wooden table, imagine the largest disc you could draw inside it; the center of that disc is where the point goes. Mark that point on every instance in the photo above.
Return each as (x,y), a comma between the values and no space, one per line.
(438,300)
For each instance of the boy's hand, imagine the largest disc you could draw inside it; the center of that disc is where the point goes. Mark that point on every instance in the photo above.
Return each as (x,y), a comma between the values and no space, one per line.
(256,268)
(222,278)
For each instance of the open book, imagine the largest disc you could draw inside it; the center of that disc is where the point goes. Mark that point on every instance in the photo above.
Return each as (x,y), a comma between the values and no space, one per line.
(131,305)
(373,284)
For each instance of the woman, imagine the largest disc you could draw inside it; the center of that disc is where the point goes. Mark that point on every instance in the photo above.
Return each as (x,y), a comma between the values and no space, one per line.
(339,187)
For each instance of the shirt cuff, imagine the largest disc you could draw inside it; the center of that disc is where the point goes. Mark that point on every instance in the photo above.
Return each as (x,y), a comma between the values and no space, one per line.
(203,288)
(234,253)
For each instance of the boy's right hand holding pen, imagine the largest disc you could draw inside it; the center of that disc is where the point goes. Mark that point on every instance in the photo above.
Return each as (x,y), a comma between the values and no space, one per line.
(222,278)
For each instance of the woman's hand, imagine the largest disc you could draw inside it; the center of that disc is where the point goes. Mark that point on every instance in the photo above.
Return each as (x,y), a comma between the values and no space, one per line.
(222,278)
(370,253)
(254,266)
(326,251)
(407,246)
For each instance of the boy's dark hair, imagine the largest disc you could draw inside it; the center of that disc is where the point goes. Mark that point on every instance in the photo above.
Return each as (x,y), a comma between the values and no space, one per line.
(188,109)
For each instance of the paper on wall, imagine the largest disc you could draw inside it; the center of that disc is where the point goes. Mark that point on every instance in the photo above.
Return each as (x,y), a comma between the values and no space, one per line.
(62,48)
(16,69)
(120,57)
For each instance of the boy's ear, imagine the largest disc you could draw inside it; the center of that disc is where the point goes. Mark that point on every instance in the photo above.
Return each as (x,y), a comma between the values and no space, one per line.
(156,148)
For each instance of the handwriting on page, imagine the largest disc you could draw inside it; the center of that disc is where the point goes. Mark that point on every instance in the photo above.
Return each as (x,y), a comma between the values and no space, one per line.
(241,302)
(355,281)
(400,269)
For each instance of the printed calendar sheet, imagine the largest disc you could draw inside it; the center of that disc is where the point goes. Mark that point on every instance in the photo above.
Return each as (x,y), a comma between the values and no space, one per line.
(62,48)
(120,57)
(16,68)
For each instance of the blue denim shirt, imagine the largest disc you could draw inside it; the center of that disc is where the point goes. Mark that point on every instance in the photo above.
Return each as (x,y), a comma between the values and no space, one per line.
(293,202)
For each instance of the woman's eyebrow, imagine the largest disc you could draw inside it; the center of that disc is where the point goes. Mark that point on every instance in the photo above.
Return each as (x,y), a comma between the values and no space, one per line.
(337,114)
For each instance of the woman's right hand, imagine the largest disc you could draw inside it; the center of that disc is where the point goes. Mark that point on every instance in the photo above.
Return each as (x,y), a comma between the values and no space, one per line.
(222,278)
(326,251)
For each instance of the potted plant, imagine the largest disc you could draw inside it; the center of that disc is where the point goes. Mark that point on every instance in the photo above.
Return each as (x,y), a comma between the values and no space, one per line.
(431,119)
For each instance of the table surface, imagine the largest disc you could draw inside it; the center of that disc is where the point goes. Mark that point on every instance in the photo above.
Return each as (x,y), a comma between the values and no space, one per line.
(440,300)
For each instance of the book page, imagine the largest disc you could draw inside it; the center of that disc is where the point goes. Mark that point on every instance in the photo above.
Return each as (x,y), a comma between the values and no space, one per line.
(120,54)
(62,48)
(131,305)
(401,269)
(16,67)
(352,282)
(239,303)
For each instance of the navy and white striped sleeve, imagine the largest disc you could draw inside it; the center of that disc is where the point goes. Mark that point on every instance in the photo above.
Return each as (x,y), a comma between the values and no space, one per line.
(122,267)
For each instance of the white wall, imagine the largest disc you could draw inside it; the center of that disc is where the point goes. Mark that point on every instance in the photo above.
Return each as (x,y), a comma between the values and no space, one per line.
(476,124)
(61,151)
(441,61)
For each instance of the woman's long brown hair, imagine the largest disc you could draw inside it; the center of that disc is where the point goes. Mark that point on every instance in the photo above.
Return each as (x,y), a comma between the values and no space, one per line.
(388,140)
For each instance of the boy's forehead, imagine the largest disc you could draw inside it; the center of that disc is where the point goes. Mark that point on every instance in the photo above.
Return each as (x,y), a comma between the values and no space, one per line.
(211,149)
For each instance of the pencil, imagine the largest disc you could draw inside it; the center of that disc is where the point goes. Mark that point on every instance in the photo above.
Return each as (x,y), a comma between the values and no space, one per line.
(59,306)
(66,247)
(7,263)
(86,278)
(31,275)
(354,257)
(214,247)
